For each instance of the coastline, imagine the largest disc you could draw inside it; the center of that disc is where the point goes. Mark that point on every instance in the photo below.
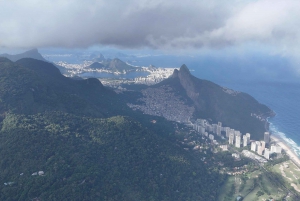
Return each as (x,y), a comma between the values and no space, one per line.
(289,151)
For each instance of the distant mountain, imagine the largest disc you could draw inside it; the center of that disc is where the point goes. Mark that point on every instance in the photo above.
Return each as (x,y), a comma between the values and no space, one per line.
(190,97)
(114,65)
(97,57)
(34,54)
(97,65)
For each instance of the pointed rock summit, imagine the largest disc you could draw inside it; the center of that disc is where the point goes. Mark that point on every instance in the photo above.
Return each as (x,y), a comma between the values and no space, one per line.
(183,71)
(217,103)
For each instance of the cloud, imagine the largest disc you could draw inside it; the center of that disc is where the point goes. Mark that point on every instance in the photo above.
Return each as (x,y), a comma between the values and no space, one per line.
(155,24)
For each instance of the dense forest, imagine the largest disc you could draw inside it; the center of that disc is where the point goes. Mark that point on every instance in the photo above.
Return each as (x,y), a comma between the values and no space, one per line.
(96,159)
(64,139)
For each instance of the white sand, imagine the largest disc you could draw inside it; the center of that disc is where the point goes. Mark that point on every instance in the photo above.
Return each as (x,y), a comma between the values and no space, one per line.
(287,149)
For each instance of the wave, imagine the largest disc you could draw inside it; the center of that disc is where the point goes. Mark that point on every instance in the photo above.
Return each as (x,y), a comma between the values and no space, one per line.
(288,141)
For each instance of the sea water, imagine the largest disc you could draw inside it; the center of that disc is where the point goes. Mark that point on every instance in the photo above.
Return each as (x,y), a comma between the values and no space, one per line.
(130,75)
(283,99)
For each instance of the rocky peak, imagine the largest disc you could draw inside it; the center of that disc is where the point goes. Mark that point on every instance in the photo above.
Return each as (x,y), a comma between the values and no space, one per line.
(187,82)
(182,73)
(175,74)
(97,58)
(184,69)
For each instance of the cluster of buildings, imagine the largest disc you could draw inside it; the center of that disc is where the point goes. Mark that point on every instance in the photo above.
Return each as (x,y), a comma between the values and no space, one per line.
(161,101)
(260,147)
(236,138)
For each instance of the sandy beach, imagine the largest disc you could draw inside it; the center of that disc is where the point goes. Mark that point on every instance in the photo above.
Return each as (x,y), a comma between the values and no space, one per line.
(287,149)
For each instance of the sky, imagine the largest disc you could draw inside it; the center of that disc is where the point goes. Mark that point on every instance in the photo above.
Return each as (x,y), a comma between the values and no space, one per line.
(238,28)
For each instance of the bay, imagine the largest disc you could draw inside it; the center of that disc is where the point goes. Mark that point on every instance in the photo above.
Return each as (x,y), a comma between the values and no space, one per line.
(130,75)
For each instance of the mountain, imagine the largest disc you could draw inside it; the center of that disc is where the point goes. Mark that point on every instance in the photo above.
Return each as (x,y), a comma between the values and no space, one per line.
(183,96)
(97,65)
(31,86)
(97,57)
(65,139)
(114,65)
(34,54)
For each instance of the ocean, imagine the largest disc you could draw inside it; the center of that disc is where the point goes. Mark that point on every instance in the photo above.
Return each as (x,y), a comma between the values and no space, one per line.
(130,75)
(283,99)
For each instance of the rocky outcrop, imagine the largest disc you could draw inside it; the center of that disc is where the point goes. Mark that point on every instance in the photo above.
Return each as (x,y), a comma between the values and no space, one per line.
(214,102)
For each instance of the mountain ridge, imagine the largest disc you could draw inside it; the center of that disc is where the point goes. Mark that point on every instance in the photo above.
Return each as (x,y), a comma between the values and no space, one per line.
(33,53)
(85,143)
(210,101)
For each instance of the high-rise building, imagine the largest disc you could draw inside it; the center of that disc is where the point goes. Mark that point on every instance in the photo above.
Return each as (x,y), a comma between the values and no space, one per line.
(237,133)
(275,149)
(219,130)
(202,122)
(267,153)
(209,128)
(245,140)
(238,141)
(263,145)
(259,150)
(278,150)
(253,146)
(211,137)
(214,127)
(227,131)
(231,138)
(267,137)
(202,130)
(220,124)
(248,136)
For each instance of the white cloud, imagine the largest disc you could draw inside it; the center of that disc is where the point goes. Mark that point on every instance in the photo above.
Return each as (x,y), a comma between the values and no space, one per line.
(150,23)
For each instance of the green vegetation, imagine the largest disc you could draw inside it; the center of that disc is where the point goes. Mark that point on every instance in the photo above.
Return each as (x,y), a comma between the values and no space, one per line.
(104,159)
(76,132)
(259,184)
(216,103)
(91,146)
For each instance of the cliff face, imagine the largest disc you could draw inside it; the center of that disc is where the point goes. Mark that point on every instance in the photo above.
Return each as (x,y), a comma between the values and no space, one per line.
(210,101)
(187,82)
(234,109)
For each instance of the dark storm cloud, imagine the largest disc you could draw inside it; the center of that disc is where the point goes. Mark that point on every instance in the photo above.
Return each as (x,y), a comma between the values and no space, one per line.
(121,23)
(149,23)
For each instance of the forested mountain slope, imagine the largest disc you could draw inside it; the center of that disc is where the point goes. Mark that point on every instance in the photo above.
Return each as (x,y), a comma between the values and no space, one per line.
(71,133)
